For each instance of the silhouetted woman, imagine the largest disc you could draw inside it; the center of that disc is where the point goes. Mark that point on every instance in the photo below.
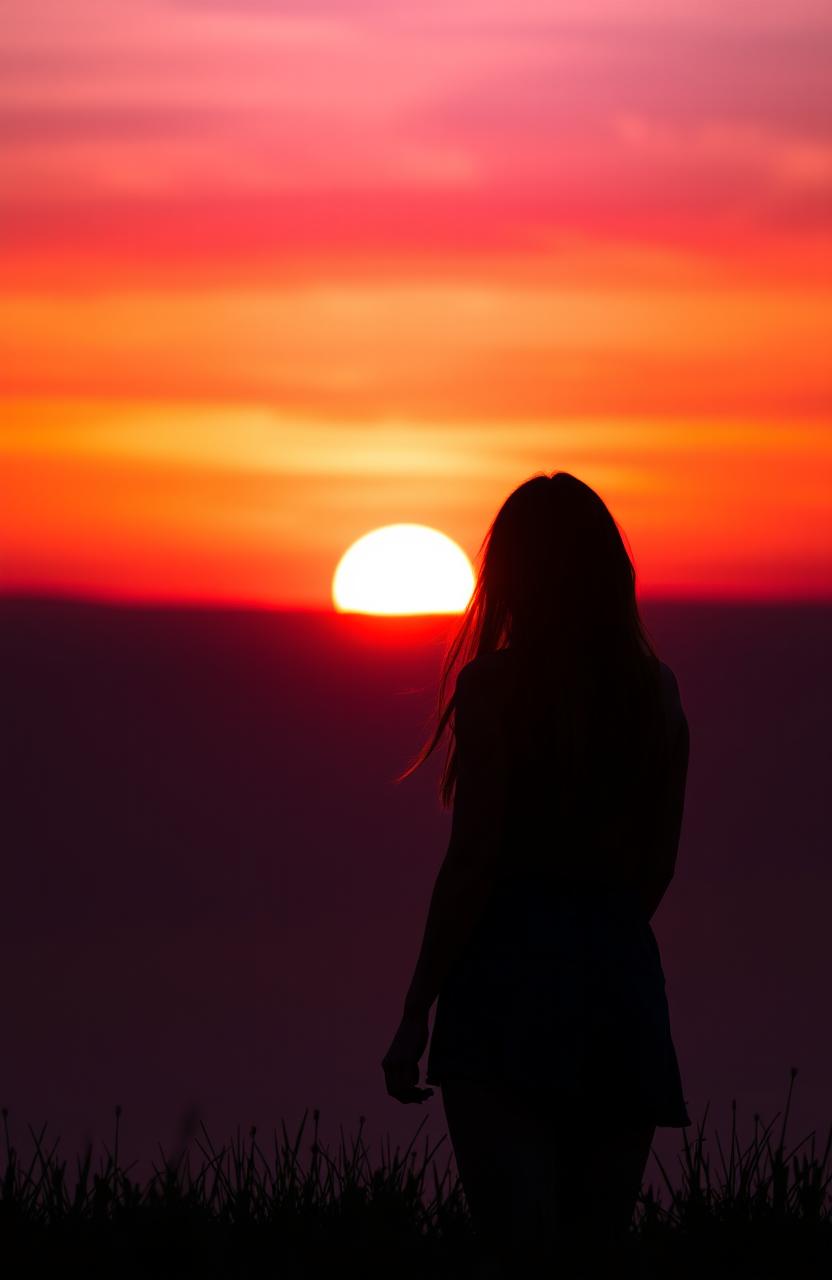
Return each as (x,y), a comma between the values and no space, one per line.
(567,769)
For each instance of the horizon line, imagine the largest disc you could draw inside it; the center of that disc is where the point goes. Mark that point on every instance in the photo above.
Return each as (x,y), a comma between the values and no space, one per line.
(248,605)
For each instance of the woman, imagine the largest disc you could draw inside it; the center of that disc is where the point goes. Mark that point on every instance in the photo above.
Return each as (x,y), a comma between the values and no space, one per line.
(567,769)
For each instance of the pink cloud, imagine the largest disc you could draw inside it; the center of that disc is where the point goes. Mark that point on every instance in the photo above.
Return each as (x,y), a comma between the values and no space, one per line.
(309,129)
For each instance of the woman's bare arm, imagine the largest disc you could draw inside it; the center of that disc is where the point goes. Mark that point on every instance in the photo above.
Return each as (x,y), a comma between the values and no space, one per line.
(466,877)
(457,902)
(665,843)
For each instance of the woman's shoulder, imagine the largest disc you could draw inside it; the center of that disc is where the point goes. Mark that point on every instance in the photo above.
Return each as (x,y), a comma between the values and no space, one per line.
(495,660)
(670,684)
(494,670)
(485,665)
(486,673)
(676,718)
(484,682)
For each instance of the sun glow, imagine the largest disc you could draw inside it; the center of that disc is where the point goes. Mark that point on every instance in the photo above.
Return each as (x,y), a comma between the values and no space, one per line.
(403,568)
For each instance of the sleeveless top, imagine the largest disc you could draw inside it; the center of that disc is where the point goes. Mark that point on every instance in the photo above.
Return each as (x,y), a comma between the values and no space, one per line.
(603,837)
(560,989)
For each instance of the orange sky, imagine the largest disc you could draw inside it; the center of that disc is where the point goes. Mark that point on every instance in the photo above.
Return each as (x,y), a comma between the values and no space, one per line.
(273,275)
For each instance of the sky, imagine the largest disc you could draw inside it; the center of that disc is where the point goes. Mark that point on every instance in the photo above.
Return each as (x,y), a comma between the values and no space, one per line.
(275,274)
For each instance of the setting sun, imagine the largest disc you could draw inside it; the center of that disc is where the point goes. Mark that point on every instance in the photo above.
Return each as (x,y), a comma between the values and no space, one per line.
(403,568)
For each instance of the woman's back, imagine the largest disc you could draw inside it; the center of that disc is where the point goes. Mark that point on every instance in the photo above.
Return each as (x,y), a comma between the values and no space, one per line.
(560,987)
(603,823)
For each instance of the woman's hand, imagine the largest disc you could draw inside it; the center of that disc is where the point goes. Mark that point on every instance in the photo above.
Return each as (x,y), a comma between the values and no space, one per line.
(401,1061)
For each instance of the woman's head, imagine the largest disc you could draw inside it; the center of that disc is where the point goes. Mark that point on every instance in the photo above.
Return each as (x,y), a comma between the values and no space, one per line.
(554,568)
(556,584)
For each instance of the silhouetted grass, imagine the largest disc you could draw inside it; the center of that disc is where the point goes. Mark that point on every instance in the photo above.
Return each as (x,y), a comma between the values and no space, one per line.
(762,1211)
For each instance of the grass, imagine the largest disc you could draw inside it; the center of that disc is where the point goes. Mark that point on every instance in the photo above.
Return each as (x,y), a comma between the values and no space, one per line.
(246,1210)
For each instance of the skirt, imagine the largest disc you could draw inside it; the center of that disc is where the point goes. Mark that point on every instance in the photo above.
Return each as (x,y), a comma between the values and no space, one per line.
(561,990)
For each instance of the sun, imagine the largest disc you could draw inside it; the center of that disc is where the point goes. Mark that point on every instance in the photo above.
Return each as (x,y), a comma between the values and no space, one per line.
(403,568)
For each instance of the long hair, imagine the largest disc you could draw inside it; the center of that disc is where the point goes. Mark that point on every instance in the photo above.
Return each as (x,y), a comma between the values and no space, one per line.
(557,585)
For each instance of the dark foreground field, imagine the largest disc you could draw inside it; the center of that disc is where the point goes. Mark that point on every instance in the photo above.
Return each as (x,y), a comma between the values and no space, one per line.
(286,1205)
